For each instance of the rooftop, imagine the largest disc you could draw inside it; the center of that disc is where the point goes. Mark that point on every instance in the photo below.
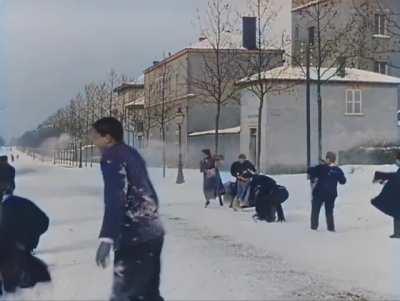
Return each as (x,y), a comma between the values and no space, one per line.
(289,73)
(234,130)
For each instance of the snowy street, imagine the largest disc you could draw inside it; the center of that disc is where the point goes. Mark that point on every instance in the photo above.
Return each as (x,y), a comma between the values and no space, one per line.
(215,253)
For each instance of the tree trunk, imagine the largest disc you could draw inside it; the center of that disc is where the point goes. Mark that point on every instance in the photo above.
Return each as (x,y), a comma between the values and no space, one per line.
(259,136)
(217,118)
(319,121)
(164,155)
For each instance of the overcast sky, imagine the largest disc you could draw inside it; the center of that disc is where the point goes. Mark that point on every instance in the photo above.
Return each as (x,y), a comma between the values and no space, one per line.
(51,48)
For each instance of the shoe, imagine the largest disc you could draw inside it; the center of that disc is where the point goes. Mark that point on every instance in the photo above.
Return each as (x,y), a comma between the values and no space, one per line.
(395,236)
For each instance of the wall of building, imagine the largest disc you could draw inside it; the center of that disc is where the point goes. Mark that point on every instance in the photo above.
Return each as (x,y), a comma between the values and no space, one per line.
(284,125)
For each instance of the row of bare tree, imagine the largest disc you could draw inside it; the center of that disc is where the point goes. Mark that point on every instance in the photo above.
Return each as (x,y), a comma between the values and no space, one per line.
(331,43)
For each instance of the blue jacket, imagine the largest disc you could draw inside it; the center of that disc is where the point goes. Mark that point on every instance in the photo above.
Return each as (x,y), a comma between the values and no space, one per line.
(131,203)
(327,178)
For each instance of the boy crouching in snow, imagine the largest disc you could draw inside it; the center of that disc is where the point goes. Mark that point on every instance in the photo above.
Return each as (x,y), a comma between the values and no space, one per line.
(131,224)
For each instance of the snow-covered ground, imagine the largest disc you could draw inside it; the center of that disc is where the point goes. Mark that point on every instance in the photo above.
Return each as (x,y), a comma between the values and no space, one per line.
(215,253)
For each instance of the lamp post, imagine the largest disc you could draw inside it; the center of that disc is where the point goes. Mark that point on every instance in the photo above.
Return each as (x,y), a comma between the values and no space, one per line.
(179,118)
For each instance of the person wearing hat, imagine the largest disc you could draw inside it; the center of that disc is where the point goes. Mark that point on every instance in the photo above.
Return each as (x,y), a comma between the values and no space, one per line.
(210,177)
(7,177)
(388,200)
(326,177)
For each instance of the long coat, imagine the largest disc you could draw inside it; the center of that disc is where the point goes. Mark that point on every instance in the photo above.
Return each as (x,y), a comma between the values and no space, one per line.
(388,201)
(131,214)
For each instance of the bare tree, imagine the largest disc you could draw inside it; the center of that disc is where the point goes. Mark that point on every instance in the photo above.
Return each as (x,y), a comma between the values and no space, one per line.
(215,82)
(331,44)
(255,66)
(163,110)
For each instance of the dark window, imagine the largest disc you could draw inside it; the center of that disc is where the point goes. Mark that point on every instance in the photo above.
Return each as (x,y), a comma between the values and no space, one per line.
(381,67)
(380,24)
(311,35)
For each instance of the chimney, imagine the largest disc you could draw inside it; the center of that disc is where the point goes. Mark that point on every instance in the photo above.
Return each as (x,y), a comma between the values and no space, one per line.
(341,66)
(250,33)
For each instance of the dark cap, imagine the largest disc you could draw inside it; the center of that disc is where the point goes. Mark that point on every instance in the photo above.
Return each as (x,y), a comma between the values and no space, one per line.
(242,156)
(3,159)
(331,156)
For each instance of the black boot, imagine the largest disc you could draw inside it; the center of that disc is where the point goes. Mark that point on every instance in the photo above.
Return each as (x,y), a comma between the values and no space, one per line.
(330,223)
(396,228)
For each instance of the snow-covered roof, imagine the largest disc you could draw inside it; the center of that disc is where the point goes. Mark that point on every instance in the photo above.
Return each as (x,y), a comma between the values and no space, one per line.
(137,83)
(288,73)
(137,102)
(234,130)
(228,41)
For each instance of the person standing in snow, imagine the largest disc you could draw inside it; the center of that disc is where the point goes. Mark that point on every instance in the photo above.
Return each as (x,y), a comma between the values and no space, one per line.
(388,201)
(7,176)
(131,223)
(242,171)
(207,168)
(326,177)
(220,190)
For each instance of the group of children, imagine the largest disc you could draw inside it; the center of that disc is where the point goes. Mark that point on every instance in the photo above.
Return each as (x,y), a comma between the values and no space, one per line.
(262,192)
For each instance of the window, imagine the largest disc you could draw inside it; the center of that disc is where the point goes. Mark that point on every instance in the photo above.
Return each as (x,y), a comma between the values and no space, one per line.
(380,24)
(311,35)
(297,34)
(381,67)
(353,102)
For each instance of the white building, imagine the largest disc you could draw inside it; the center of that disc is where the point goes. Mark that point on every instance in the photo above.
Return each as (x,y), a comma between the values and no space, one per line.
(358,109)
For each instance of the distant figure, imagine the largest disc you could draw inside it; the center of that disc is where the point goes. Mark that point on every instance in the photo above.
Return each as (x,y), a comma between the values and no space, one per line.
(12,158)
(131,223)
(210,180)
(388,201)
(325,178)
(7,176)
(242,171)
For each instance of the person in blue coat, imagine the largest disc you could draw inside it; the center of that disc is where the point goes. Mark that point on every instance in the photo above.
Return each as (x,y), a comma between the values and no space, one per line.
(131,223)
(325,178)
(388,201)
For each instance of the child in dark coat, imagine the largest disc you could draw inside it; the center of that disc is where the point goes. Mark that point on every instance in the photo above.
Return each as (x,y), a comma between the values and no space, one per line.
(131,223)
(325,177)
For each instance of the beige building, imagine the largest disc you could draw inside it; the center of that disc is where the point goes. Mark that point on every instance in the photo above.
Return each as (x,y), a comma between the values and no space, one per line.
(129,104)
(176,81)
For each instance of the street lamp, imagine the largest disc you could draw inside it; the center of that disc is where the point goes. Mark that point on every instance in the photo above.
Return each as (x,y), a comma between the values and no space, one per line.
(179,118)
